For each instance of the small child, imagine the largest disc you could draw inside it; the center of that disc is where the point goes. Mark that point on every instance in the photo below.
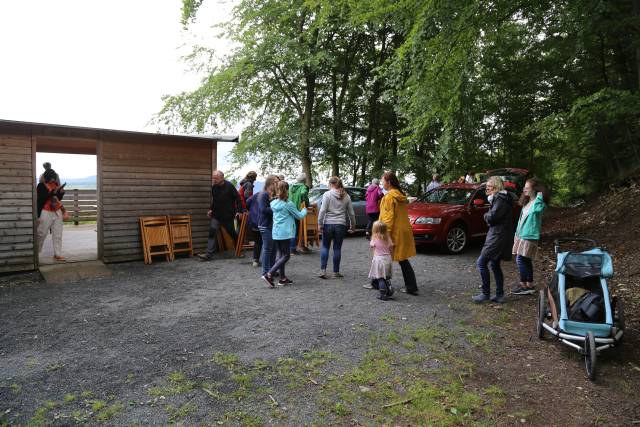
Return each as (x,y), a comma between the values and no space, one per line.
(381,264)
(284,229)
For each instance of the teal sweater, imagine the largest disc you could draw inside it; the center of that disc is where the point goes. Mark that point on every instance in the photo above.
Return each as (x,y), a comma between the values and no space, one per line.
(529,226)
(284,216)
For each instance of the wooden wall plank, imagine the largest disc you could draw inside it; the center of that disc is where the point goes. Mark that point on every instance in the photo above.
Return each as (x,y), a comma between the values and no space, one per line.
(17,186)
(16,267)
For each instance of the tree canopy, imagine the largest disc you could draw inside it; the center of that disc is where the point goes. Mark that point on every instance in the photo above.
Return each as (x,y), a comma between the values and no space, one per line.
(424,86)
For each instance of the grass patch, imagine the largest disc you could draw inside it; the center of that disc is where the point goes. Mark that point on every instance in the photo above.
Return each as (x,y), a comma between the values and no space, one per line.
(109,412)
(178,384)
(341,409)
(244,419)
(388,318)
(229,361)
(86,394)
(69,397)
(98,405)
(54,367)
(31,362)
(15,388)
(176,414)
(40,417)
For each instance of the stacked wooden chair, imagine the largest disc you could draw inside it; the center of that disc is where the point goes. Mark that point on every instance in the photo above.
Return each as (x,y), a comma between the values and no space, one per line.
(310,228)
(165,235)
(155,237)
(180,233)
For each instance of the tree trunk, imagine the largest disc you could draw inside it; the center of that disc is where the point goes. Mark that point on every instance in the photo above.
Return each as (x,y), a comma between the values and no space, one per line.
(305,125)
(636,12)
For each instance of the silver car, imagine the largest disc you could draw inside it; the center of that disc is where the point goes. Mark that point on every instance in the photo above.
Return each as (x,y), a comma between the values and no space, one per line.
(358,200)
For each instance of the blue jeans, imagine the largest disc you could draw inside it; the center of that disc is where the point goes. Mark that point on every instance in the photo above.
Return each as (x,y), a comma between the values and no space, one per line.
(526,268)
(486,277)
(268,255)
(332,233)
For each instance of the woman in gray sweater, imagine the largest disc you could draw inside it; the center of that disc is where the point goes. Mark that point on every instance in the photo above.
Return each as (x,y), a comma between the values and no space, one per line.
(332,220)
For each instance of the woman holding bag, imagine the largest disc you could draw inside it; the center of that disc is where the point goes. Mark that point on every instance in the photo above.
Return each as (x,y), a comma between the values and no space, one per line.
(393,212)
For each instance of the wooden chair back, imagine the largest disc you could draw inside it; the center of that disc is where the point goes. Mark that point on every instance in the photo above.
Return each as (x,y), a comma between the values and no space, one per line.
(242,243)
(225,241)
(311,227)
(180,233)
(155,237)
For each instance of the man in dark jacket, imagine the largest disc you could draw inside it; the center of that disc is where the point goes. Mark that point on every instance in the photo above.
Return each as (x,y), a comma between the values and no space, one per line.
(499,241)
(225,207)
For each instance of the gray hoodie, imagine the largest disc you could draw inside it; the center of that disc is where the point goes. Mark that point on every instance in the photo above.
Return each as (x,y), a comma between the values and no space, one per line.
(335,210)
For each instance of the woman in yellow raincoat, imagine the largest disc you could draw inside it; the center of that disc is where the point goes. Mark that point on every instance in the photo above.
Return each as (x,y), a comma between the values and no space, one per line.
(393,212)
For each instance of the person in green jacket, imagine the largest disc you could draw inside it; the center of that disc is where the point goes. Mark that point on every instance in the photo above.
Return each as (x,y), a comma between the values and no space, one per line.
(534,201)
(298,194)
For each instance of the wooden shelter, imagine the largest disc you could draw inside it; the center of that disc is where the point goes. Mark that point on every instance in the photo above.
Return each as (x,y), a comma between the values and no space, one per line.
(139,174)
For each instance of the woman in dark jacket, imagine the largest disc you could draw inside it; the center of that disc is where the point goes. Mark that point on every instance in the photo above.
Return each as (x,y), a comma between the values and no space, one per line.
(497,246)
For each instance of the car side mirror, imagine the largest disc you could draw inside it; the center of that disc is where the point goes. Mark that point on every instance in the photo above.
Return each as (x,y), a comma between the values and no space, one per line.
(478,202)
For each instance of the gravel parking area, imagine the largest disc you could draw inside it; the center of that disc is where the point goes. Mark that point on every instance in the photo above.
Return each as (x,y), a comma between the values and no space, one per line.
(208,343)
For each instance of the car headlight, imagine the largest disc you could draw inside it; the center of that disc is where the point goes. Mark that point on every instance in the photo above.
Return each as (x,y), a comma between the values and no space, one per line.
(428,220)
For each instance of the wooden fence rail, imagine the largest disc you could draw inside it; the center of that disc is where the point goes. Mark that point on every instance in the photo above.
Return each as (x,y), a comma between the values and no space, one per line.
(82,205)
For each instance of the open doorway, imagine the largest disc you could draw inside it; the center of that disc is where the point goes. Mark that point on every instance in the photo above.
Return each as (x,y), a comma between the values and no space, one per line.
(78,172)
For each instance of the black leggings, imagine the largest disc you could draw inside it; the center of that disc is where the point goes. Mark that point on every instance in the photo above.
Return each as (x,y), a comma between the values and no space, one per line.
(409,276)
(283,249)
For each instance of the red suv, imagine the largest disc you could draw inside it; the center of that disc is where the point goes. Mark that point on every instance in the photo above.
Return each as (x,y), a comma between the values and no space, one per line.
(451,215)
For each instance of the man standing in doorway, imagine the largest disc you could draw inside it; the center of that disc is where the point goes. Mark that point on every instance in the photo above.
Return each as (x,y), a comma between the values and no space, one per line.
(225,206)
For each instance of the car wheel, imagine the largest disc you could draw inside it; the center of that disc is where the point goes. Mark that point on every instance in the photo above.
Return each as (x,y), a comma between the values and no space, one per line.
(456,239)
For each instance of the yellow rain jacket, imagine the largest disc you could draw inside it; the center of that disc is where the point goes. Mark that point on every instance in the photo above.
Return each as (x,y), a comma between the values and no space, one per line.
(393,212)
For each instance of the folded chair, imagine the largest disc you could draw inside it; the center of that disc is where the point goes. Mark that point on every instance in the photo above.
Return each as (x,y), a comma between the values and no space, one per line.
(180,233)
(155,237)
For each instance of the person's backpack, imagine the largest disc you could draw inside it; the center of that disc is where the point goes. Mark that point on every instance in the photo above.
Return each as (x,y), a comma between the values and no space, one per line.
(588,308)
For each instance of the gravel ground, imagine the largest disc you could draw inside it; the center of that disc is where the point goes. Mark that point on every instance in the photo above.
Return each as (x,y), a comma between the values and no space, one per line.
(111,340)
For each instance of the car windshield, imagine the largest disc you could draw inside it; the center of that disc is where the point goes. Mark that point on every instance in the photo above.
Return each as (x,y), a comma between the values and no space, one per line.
(316,193)
(357,194)
(449,196)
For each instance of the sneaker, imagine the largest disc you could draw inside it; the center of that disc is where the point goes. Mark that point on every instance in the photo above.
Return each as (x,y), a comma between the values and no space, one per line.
(337,275)
(304,250)
(367,286)
(382,297)
(523,291)
(295,252)
(405,291)
(286,281)
(204,257)
(267,278)
(59,258)
(480,298)
(322,274)
(255,264)
(498,299)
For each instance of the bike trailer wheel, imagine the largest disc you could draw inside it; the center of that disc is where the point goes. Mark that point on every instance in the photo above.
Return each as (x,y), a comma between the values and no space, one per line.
(541,315)
(590,355)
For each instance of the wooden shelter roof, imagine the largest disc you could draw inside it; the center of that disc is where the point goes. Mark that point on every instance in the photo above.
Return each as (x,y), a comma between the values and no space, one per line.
(57,138)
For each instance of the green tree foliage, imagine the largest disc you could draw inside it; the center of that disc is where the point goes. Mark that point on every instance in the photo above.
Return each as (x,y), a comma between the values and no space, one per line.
(419,86)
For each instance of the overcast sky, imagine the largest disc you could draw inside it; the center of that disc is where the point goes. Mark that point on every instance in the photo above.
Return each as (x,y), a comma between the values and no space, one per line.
(96,63)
